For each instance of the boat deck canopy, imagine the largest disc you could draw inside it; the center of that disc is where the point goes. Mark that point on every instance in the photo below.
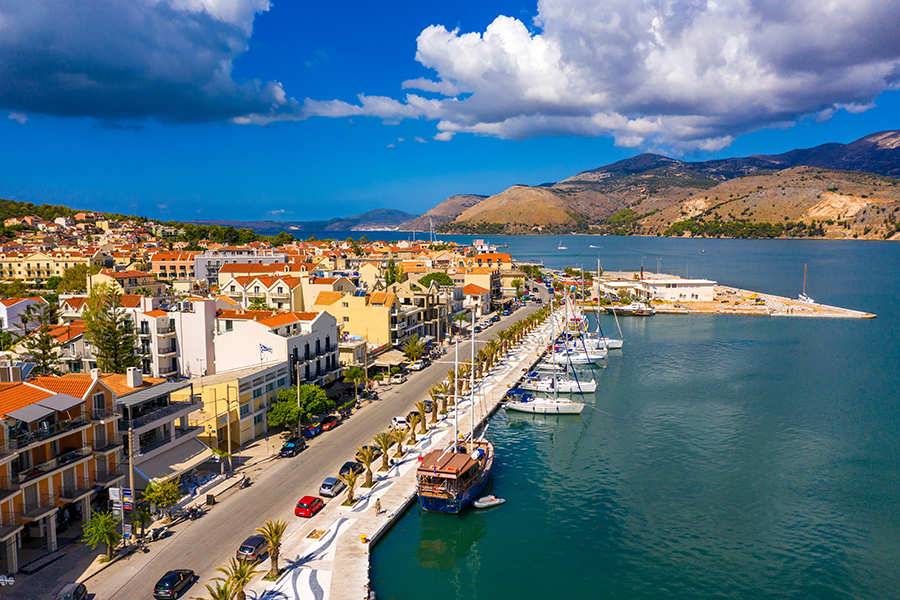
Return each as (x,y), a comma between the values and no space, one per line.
(449,465)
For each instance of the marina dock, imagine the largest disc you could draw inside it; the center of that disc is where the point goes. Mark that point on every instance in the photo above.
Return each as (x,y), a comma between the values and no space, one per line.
(328,557)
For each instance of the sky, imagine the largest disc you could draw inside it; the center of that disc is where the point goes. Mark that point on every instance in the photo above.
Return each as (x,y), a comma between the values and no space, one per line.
(285,110)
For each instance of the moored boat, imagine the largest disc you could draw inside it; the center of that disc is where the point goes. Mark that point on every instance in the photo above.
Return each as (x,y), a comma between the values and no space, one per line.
(488,501)
(449,480)
(545,406)
(635,309)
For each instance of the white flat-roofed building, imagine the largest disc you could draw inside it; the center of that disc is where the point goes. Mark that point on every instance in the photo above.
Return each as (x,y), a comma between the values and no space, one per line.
(678,290)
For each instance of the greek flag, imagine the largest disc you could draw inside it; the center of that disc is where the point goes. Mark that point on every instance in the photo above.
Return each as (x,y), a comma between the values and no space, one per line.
(264,348)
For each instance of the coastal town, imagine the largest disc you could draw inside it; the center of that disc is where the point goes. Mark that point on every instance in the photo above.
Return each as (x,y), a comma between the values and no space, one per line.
(134,364)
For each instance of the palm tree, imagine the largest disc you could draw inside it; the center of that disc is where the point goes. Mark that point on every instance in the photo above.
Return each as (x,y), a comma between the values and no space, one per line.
(367,456)
(143,291)
(420,406)
(413,421)
(238,574)
(384,441)
(356,376)
(258,304)
(222,591)
(482,358)
(273,531)
(435,393)
(399,437)
(350,477)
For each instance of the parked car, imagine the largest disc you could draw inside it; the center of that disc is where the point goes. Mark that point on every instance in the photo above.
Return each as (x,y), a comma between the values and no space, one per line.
(331,487)
(417,366)
(398,378)
(495,318)
(410,416)
(308,506)
(429,405)
(173,583)
(252,548)
(330,422)
(538,301)
(293,447)
(506,313)
(399,423)
(351,465)
(478,329)
(73,591)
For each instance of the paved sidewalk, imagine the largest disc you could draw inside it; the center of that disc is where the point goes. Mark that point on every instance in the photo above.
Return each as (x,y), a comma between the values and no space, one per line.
(315,551)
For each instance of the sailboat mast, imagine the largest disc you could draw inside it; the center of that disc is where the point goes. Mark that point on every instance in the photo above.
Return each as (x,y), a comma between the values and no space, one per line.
(456,397)
(804,279)
(472,387)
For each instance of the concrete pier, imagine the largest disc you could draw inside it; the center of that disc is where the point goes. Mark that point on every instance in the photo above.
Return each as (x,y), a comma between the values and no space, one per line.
(325,558)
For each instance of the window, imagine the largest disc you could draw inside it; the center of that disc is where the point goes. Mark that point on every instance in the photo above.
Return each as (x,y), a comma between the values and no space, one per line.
(99,401)
(229,325)
(257,392)
(346,319)
(245,410)
(346,304)
(281,382)
(270,387)
(256,288)
(258,419)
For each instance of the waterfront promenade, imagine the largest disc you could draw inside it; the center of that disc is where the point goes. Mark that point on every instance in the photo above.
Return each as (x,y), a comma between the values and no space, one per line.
(325,558)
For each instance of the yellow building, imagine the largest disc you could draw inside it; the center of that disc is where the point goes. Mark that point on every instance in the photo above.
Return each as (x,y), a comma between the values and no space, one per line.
(41,266)
(235,404)
(372,317)
(128,282)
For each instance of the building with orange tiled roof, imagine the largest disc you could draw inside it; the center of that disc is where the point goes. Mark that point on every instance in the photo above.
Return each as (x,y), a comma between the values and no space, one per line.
(375,317)
(60,451)
(280,292)
(477,298)
(128,282)
(42,265)
(173,266)
(208,263)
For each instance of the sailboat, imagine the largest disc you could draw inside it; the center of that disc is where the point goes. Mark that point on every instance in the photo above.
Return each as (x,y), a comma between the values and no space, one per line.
(449,480)
(561,247)
(803,297)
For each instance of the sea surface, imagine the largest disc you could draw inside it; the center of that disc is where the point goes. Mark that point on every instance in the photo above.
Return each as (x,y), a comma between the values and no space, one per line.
(721,457)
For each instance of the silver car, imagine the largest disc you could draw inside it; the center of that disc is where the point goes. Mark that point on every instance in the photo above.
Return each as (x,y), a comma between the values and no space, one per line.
(331,487)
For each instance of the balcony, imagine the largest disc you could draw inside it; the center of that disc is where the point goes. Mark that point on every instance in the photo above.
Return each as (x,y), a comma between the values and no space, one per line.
(165,329)
(108,477)
(68,355)
(167,370)
(35,511)
(8,487)
(12,523)
(75,491)
(171,410)
(169,350)
(45,468)
(142,332)
(9,451)
(48,433)
(104,446)
(105,415)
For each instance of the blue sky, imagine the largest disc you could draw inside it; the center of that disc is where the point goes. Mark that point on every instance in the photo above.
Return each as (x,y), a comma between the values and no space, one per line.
(250,109)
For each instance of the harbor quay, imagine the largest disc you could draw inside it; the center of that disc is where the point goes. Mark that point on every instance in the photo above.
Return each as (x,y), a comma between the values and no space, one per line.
(670,294)
(328,558)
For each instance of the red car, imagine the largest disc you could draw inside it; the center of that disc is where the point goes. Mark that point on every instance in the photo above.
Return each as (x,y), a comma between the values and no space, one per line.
(330,422)
(308,506)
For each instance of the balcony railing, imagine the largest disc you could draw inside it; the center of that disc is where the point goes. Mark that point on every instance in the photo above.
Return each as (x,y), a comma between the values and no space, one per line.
(36,510)
(160,413)
(52,430)
(77,489)
(11,522)
(167,370)
(103,446)
(53,464)
(165,329)
(169,350)
(143,332)
(104,414)
(109,476)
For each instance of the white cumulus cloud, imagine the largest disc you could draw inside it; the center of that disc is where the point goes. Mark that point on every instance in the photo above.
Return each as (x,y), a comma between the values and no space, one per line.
(682,74)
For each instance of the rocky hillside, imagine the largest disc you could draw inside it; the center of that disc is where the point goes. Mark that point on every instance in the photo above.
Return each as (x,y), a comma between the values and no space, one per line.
(756,196)
(443,213)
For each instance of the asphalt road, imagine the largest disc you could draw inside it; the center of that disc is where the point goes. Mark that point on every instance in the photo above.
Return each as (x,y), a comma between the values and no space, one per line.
(208,542)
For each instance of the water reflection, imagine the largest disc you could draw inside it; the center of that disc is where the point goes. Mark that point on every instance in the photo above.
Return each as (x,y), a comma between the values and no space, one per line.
(445,540)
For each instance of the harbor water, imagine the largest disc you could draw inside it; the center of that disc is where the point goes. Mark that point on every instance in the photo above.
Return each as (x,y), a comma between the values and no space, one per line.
(721,456)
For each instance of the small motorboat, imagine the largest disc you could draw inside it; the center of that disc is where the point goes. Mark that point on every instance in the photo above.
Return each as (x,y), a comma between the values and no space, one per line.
(488,501)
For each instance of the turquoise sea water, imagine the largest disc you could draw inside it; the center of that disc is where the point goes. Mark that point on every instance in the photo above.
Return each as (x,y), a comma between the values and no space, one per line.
(722,457)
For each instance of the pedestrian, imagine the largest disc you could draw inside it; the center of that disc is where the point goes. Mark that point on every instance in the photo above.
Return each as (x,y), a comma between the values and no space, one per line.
(377,506)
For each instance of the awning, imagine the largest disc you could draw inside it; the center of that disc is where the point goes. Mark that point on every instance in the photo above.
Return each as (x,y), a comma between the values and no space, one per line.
(391,358)
(153,392)
(31,413)
(61,402)
(176,461)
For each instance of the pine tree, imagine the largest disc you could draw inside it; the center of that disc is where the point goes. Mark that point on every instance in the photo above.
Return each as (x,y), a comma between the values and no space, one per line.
(110,331)
(40,345)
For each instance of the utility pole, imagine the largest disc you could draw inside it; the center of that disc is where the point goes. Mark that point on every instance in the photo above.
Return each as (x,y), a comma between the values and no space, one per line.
(228,424)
